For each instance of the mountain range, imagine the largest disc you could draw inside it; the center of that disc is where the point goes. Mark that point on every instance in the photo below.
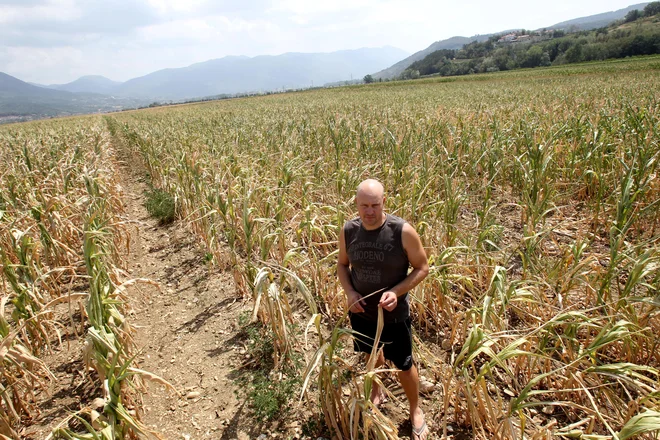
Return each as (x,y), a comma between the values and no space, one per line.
(22,101)
(239,74)
(224,76)
(231,75)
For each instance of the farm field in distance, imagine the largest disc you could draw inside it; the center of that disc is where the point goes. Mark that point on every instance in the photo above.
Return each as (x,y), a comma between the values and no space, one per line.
(535,193)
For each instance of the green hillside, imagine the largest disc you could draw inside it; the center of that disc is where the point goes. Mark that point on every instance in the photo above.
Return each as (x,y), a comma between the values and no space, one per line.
(637,34)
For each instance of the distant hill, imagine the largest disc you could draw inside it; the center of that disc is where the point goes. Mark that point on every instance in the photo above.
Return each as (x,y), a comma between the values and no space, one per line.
(27,101)
(89,84)
(582,23)
(450,43)
(239,74)
(596,21)
(225,76)
(14,87)
(636,35)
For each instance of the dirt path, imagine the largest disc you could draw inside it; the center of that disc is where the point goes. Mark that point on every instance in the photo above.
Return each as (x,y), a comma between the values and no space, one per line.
(187,331)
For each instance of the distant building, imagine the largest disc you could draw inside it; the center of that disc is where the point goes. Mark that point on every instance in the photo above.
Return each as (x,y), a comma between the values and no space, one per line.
(515,37)
(508,38)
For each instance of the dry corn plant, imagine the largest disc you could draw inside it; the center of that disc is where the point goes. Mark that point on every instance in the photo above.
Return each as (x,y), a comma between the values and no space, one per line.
(61,232)
(110,349)
(343,392)
(40,223)
(273,305)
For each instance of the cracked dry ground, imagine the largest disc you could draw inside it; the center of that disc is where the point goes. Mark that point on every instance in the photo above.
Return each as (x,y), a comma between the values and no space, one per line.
(188,331)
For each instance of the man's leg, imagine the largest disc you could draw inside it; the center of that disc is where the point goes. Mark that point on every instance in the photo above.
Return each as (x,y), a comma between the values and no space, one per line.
(377,395)
(400,353)
(363,342)
(410,383)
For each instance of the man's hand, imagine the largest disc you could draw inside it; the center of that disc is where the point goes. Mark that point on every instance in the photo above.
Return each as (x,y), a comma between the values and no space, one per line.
(388,301)
(355,302)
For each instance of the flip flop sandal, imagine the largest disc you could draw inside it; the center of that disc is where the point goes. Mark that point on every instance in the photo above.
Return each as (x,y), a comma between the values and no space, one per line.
(420,433)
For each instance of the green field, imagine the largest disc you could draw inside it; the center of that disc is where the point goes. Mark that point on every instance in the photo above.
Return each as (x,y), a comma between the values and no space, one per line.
(535,192)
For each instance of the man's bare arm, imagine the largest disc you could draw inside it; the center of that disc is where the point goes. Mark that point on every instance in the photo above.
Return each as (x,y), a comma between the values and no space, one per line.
(343,272)
(413,247)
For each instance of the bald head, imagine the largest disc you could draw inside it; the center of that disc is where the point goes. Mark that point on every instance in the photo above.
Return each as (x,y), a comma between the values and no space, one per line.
(370,198)
(370,188)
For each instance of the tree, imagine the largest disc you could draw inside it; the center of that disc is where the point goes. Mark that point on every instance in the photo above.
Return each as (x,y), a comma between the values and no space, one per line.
(651,9)
(545,60)
(632,16)
(502,56)
(574,54)
(368,79)
(489,65)
(533,57)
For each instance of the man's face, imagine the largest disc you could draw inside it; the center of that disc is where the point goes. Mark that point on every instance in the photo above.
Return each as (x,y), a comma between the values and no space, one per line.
(370,209)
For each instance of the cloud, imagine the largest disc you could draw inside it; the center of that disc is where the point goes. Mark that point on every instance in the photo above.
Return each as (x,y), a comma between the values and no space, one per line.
(64,60)
(211,31)
(178,32)
(307,8)
(21,2)
(17,14)
(175,6)
(69,17)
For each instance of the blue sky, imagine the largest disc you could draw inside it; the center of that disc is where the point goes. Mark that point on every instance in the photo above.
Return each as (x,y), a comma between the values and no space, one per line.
(57,41)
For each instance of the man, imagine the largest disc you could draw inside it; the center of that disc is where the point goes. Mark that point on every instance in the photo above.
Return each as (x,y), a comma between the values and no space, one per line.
(375,252)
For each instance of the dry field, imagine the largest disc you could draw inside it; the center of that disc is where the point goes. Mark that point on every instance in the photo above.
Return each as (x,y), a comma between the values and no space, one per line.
(536,195)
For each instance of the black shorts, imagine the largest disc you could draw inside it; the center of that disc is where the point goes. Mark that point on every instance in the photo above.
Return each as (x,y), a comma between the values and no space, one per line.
(396,340)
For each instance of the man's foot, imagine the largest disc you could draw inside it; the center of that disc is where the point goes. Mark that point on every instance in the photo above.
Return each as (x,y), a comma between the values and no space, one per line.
(420,433)
(420,430)
(378,396)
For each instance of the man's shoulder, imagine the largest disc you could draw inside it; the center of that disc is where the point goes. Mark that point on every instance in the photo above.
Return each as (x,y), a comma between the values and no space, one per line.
(405,228)
(397,223)
(353,223)
(396,219)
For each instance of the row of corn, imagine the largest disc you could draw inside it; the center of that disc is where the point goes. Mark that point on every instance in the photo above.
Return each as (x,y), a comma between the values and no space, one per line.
(61,235)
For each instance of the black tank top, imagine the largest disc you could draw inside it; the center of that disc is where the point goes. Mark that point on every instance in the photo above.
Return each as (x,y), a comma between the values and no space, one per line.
(378,261)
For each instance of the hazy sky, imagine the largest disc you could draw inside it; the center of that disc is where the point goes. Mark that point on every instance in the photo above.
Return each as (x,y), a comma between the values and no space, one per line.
(57,41)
